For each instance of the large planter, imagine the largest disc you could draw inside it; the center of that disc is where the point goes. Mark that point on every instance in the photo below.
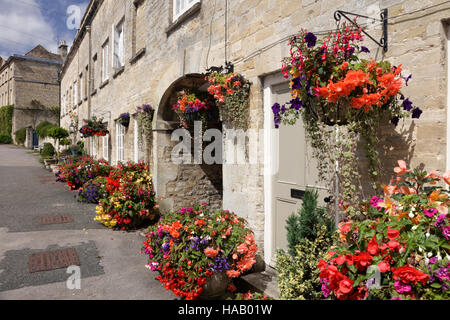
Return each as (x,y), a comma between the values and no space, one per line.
(215,287)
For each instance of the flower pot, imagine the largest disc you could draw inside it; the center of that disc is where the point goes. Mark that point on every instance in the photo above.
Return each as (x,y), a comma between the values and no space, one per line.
(215,287)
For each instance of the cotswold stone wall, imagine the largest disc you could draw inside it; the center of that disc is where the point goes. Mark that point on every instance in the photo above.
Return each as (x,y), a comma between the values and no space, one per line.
(257,41)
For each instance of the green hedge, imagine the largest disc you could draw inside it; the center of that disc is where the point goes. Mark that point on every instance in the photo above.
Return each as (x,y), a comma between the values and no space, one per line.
(21,135)
(6,114)
(5,138)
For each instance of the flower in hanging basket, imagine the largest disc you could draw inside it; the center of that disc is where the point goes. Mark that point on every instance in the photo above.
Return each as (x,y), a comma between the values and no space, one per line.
(124,119)
(93,127)
(231,92)
(191,107)
(335,86)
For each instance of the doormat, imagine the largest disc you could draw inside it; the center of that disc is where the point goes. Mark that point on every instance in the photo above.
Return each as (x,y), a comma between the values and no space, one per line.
(51,260)
(62,218)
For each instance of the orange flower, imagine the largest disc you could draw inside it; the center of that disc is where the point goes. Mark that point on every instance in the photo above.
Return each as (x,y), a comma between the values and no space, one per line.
(210,252)
(401,169)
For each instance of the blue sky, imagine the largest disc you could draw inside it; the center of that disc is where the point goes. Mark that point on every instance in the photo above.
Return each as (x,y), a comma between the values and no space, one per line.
(27,23)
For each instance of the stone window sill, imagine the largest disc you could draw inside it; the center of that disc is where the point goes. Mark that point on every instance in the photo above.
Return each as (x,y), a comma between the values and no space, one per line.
(185,16)
(118,71)
(138,55)
(104,83)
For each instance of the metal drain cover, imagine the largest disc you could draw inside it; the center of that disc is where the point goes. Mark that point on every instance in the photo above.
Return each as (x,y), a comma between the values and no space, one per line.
(62,218)
(50,260)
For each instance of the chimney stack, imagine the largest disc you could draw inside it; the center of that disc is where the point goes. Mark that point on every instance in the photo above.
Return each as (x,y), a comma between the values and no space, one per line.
(62,50)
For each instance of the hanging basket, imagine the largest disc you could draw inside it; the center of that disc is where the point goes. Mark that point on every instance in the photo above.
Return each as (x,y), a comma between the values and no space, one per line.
(124,119)
(331,114)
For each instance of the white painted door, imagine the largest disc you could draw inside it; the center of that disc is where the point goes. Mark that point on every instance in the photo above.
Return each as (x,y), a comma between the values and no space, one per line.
(292,169)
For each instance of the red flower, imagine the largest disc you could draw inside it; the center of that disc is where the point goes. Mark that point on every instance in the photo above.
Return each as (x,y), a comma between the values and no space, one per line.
(346,285)
(363,260)
(392,233)
(409,274)
(393,244)
(383,266)
(372,246)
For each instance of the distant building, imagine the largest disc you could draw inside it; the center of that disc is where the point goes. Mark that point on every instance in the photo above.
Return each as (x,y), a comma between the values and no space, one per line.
(30,83)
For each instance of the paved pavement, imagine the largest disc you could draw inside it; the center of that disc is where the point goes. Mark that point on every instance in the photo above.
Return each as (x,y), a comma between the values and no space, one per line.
(111,265)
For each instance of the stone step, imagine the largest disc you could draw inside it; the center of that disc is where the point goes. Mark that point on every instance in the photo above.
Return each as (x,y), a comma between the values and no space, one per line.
(264,282)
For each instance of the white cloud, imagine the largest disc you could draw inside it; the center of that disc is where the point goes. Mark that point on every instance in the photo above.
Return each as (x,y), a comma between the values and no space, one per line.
(23,26)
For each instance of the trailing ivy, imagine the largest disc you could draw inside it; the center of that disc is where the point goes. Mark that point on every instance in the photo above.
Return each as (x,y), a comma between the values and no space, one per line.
(6,115)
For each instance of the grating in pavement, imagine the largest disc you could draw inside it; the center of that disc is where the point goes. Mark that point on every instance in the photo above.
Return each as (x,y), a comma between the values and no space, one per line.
(63,218)
(50,260)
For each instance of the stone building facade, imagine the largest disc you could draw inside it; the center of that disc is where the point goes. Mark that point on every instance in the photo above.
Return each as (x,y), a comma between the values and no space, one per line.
(133,52)
(30,83)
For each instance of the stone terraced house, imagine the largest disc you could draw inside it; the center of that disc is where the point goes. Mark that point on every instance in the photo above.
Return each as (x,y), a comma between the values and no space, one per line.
(33,76)
(133,52)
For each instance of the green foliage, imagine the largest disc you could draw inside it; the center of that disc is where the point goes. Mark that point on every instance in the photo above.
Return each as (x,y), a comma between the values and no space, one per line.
(58,133)
(298,275)
(65,142)
(21,135)
(6,114)
(47,150)
(43,128)
(307,222)
(5,138)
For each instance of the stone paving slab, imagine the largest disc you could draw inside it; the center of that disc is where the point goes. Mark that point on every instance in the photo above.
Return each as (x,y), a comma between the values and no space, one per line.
(110,261)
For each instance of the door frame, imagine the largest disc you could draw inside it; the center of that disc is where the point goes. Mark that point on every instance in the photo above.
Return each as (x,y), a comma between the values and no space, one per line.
(270,146)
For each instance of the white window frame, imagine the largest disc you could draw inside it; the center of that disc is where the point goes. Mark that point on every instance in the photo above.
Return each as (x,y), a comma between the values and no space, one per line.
(105,147)
(105,61)
(81,87)
(181,6)
(119,142)
(75,93)
(119,44)
(136,141)
(94,146)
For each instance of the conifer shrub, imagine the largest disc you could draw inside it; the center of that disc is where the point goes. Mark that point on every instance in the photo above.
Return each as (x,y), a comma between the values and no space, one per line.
(306,223)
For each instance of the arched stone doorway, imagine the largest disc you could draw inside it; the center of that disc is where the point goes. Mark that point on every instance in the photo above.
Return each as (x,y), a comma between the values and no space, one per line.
(181,185)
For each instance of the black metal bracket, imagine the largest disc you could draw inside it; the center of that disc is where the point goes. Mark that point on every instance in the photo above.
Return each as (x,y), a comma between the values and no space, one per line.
(384,19)
(229,68)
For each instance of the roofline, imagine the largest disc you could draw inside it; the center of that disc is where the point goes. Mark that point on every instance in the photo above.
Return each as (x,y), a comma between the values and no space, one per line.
(88,16)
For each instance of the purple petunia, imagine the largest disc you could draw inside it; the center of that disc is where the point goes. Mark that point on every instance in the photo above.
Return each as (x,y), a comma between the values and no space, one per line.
(296,103)
(416,113)
(395,120)
(407,104)
(364,49)
(407,79)
(310,39)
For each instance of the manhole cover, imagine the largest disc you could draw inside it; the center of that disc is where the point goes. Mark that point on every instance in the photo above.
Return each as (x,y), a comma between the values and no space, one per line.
(62,218)
(50,260)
